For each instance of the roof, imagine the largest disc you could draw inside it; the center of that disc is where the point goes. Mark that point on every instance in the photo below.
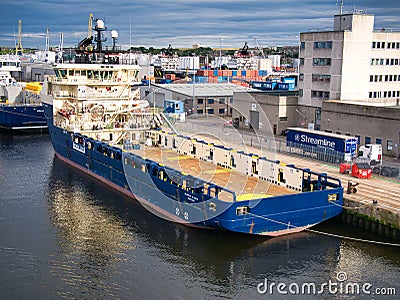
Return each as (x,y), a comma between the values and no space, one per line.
(322,133)
(205,89)
(363,103)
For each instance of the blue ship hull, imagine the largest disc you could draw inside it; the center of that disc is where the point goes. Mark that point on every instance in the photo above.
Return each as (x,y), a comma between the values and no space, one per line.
(135,177)
(22,116)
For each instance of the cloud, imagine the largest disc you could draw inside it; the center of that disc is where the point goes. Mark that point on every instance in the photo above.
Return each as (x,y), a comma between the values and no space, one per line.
(182,23)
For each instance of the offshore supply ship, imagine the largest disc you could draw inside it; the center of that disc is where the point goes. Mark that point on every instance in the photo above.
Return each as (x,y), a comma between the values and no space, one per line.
(98,124)
(20,106)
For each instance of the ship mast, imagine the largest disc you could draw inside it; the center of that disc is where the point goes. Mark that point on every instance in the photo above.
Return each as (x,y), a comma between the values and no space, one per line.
(18,48)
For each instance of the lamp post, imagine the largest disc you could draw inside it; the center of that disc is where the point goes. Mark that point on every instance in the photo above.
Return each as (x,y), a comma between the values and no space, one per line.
(305,124)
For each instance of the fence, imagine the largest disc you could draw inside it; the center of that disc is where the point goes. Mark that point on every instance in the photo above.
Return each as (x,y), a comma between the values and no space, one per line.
(227,135)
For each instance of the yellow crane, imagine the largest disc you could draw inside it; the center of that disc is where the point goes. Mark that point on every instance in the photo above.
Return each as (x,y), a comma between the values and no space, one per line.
(86,43)
(90,30)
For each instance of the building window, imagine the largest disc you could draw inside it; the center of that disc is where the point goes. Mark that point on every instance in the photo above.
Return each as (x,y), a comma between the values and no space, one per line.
(373,45)
(200,111)
(371,78)
(302,61)
(210,101)
(301,77)
(231,100)
(301,92)
(221,111)
(210,111)
(321,61)
(323,45)
(314,94)
(221,100)
(378,141)
(321,78)
(199,101)
(358,139)
(303,45)
(390,145)
(367,140)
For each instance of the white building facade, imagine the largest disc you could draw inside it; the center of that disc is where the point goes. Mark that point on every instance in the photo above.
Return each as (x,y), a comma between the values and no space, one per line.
(351,63)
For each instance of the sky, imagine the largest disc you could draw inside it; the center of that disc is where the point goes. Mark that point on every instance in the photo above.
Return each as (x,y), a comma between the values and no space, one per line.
(182,23)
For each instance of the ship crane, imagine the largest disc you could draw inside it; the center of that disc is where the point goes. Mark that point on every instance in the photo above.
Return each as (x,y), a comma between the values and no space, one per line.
(87,41)
(245,50)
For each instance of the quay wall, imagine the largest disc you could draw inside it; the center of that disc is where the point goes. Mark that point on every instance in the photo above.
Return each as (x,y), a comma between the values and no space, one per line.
(372,217)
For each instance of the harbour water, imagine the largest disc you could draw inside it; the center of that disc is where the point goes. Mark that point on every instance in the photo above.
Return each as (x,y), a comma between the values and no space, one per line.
(63,234)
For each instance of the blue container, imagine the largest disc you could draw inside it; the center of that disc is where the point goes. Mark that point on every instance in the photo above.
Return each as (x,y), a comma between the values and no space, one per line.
(289,80)
(243,73)
(215,73)
(234,73)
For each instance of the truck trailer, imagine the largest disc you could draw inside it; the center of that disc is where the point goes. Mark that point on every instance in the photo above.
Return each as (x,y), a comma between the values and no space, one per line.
(325,146)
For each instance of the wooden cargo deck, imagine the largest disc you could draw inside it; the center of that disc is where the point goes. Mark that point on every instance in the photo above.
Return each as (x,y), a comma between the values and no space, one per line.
(245,187)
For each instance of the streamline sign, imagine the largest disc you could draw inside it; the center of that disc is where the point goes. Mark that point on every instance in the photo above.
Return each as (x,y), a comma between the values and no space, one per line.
(319,139)
(314,141)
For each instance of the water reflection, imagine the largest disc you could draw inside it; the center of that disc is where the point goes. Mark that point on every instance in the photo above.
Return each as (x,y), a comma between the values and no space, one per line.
(106,239)
(92,239)
(66,235)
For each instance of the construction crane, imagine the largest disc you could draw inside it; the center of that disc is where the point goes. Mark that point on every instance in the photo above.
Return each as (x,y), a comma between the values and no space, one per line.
(245,50)
(260,48)
(18,48)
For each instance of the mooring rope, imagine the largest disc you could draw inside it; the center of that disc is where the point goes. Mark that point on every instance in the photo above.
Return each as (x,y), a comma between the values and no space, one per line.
(327,233)
(350,207)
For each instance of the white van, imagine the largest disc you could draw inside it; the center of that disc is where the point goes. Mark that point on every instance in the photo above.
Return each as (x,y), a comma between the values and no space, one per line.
(371,152)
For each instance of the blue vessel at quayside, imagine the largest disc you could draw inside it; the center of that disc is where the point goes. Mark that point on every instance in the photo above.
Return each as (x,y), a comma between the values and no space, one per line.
(13,116)
(20,106)
(96,126)
(268,216)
